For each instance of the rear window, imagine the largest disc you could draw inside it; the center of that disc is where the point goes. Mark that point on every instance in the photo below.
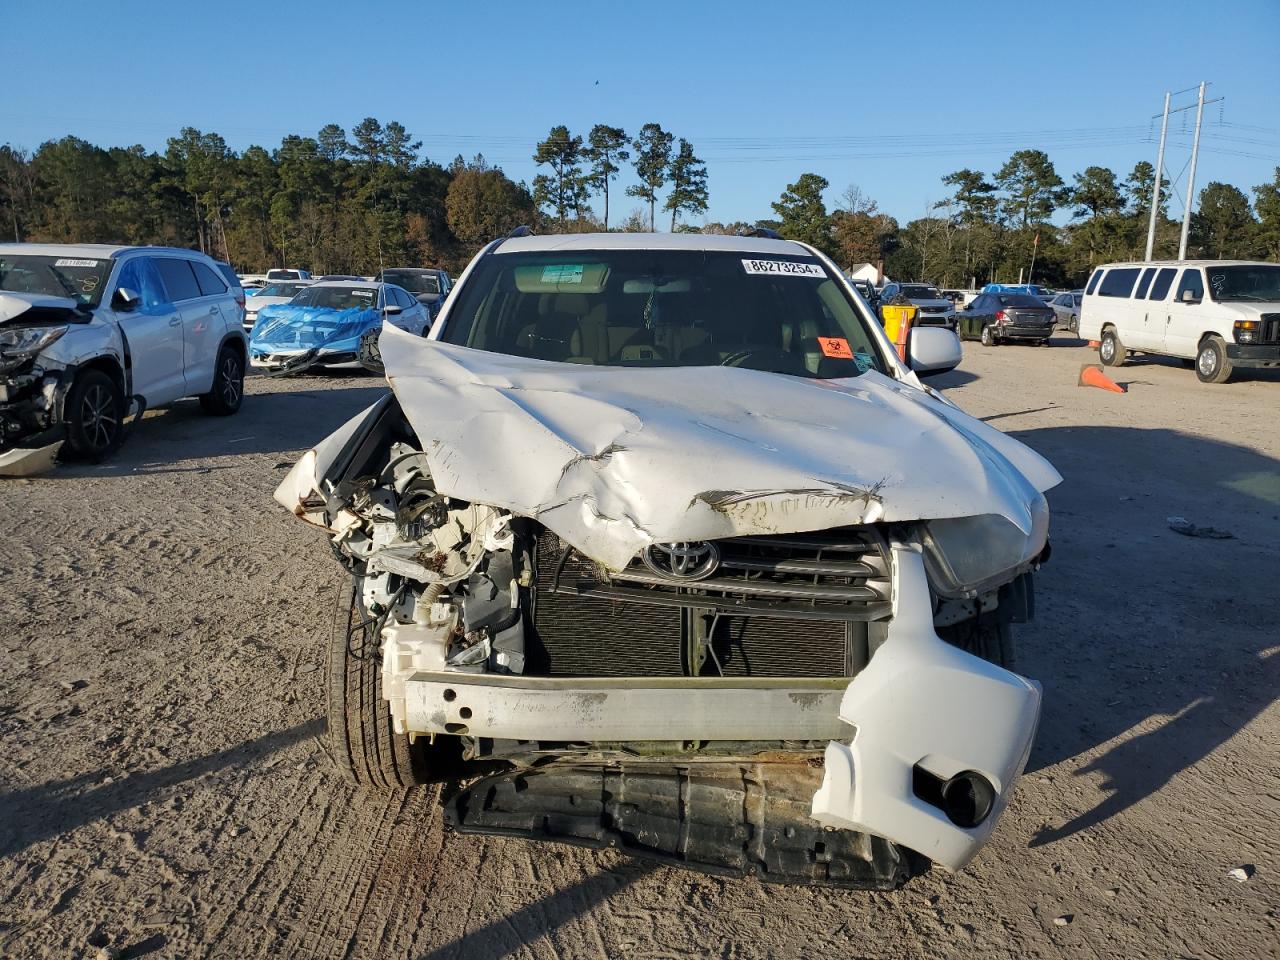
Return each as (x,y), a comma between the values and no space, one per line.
(233,281)
(1164,280)
(1093,281)
(1118,283)
(178,278)
(210,283)
(1019,300)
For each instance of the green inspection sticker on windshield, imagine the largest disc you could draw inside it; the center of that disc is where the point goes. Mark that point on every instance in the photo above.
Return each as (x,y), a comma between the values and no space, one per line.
(562,273)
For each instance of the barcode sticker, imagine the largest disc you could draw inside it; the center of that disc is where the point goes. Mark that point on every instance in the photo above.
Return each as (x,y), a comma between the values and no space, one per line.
(783,268)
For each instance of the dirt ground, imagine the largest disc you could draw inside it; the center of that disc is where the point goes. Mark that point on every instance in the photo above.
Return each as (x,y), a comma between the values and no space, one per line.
(163,791)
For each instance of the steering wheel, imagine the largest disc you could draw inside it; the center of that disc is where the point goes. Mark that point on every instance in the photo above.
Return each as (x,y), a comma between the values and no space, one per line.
(779,360)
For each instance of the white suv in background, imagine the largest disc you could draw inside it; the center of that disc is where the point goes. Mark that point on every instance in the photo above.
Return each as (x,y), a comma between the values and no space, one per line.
(1223,314)
(91,334)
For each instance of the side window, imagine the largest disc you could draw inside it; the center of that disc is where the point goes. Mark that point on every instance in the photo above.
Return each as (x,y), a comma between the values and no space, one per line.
(1164,280)
(1118,283)
(178,278)
(1145,282)
(208,281)
(139,275)
(1192,283)
(1093,281)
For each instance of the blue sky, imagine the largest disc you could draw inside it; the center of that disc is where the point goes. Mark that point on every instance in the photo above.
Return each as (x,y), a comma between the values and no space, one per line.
(887,96)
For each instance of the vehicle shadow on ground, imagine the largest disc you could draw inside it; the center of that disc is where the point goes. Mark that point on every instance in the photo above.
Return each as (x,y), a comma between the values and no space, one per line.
(281,421)
(1241,375)
(952,378)
(30,815)
(515,931)
(1145,656)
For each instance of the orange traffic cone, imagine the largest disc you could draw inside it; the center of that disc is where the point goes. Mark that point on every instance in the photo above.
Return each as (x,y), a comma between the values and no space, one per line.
(1091,376)
(1094,344)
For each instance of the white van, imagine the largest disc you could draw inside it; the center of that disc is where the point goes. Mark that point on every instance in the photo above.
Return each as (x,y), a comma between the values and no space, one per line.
(1223,314)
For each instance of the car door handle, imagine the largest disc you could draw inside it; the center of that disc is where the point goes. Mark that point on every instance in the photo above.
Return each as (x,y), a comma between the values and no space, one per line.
(215,309)
(175,321)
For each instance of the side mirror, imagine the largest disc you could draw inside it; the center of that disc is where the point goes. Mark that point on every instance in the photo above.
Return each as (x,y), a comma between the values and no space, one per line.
(933,350)
(1188,296)
(125,300)
(391,309)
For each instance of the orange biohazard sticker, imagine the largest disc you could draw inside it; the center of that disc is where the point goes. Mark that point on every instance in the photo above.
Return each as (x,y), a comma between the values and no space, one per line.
(837,347)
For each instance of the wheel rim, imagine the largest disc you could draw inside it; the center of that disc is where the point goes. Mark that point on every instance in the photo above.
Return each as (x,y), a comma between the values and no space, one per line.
(1207,362)
(98,417)
(1108,348)
(231,386)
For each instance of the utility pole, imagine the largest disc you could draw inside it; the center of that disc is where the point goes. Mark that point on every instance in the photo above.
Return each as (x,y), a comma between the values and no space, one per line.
(1155,192)
(1191,176)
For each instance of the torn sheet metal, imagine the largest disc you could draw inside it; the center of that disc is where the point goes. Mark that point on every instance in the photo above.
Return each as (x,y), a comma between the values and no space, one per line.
(615,459)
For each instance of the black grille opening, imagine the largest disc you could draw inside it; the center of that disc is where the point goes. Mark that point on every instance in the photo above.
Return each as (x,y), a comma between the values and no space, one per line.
(794,606)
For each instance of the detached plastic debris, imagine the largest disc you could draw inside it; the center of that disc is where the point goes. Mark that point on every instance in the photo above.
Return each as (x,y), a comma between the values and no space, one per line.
(1188,529)
(1241,874)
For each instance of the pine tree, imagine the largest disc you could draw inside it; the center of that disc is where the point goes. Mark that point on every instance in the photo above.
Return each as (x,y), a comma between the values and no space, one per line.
(653,158)
(688,184)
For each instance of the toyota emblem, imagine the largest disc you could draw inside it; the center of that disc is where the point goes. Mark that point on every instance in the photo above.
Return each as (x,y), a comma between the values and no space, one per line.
(694,560)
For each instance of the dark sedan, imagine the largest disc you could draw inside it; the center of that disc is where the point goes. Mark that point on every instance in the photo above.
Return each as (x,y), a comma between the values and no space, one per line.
(996,317)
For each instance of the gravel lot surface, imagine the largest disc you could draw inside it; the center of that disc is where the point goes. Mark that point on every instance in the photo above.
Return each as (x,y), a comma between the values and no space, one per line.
(163,791)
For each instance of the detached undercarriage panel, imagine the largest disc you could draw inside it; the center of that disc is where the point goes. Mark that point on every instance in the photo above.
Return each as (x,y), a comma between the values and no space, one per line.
(729,818)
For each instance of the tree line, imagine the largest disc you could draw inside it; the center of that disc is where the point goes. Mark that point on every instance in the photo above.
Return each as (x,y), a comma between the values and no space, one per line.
(341,202)
(997,228)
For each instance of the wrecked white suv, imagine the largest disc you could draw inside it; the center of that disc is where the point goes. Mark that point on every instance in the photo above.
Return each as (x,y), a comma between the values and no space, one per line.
(656,544)
(92,335)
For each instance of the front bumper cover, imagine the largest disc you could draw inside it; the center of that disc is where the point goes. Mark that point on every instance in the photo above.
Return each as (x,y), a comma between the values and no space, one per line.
(1254,355)
(920,703)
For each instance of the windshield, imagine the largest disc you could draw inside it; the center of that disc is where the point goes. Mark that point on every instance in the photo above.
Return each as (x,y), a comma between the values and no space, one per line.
(414,282)
(918,292)
(281,289)
(664,308)
(336,298)
(1258,282)
(76,278)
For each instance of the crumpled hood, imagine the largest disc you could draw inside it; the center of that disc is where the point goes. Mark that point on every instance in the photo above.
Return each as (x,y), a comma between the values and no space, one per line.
(14,305)
(615,459)
(285,327)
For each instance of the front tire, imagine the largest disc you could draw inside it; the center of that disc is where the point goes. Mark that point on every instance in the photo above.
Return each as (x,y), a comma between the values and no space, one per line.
(94,412)
(1212,363)
(1110,350)
(1073,325)
(227,393)
(363,744)
(987,338)
(986,639)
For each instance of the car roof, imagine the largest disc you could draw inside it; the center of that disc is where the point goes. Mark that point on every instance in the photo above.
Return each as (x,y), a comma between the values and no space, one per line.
(569,242)
(1186,263)
(349,283)
(96,250)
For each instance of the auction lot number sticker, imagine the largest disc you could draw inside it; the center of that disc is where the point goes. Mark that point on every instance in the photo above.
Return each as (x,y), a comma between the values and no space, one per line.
(783,268)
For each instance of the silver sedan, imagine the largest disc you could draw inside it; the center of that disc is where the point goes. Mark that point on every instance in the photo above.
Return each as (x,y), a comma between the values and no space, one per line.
(1066,307)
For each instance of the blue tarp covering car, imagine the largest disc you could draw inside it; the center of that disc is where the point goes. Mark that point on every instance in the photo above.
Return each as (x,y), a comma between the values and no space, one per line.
(324,324)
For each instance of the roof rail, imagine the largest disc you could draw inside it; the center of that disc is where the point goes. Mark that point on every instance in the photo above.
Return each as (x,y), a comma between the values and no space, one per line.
(761,232)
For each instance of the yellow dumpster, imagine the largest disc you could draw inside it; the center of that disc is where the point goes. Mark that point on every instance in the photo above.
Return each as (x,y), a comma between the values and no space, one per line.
(897,324)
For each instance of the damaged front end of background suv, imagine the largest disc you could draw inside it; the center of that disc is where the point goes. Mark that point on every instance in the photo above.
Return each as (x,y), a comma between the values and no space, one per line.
(731,620)
(34,379)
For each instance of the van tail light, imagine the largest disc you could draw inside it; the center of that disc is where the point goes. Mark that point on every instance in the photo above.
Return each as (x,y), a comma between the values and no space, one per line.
(1000,317)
